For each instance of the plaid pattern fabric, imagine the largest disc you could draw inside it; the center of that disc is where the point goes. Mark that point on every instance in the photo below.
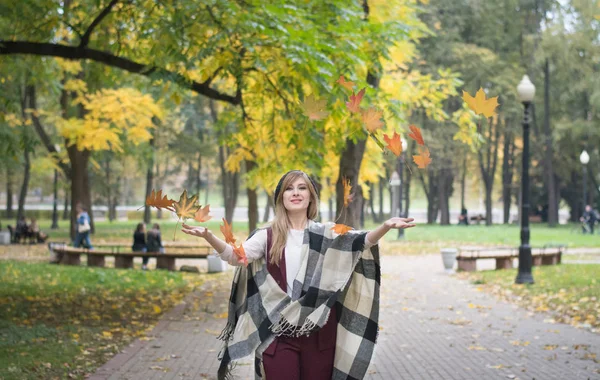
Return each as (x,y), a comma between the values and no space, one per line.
(336,271)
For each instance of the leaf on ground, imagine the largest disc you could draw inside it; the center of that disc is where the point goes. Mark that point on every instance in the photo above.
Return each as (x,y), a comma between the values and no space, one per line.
(372,118)
(314,108)
(423,159)
(520,343)
(227,232)
(355,99)
(186,207)
(341,229)
(415,134)
(550,347)
(156,199)
(157,309)
(477,348)
(394,143)
(201,214)
(346,84)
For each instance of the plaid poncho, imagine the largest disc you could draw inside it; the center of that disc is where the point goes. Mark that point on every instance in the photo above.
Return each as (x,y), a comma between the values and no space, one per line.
(335,272)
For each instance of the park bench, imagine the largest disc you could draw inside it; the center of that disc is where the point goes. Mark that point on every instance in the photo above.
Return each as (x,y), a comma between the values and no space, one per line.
(550,254)
(124,256)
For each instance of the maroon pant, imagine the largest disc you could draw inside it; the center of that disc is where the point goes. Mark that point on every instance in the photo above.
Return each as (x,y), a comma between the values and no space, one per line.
(299,359)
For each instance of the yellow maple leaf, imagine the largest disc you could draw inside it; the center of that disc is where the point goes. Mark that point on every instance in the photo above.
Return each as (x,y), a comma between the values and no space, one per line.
(480,104)
(186,207)
(314,108)
(202,214)
(157,309)
(372,118)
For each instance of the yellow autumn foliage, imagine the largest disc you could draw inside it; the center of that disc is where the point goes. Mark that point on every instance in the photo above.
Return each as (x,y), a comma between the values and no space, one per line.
(112,116)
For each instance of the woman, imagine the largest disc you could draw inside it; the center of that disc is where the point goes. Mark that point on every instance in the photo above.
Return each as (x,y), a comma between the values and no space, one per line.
(153,242)
(82,234)
(139,243)
(307,304)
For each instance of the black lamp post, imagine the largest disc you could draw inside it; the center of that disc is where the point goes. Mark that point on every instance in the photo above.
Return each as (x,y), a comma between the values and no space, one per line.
(584,158)
(526,91)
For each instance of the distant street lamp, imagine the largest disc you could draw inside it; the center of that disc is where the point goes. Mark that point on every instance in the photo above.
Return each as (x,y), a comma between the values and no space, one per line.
(526,91)
(400,191)
(584,158)
(55,200)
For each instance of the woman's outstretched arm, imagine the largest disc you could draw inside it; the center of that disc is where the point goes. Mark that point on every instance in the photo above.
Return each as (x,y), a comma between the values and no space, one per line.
(203,232)
(393,223)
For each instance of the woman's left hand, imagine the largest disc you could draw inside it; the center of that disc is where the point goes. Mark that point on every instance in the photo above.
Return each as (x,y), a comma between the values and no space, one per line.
(399,223)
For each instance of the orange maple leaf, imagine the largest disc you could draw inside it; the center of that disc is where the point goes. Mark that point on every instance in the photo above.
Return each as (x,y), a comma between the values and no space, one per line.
(354,103)
(394,143)
(186,207)
(341,229)
(372,119)
(342,82)
(423,159)
(416,135)
(201,214)
(240,254)
(226,230)
(347,189)
(480,104)
(156,199)
(314,108)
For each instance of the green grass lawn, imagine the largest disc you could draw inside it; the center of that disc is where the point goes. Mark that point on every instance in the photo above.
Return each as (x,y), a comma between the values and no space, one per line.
(426,235)
(64,322)
(571,292)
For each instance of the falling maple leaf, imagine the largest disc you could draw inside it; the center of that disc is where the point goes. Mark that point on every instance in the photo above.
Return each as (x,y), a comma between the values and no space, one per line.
(480,104)
(354,103)
(314,108)
(201,214)
(186,207)
(372,119)
(394,143)
(227,233)
(156,199)
(341,229)
(423,159)
(342,82)
(240,254)
(347,189)
(416,135)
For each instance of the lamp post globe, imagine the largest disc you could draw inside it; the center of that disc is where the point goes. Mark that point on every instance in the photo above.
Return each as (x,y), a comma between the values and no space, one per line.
(526,92)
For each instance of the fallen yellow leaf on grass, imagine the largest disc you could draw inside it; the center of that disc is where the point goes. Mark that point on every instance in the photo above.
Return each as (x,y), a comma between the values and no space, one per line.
(157,309)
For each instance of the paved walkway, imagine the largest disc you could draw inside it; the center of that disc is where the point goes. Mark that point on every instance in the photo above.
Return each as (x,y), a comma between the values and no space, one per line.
(433,326)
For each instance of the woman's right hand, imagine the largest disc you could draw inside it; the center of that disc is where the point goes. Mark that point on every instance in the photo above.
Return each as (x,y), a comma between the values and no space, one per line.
(202,232)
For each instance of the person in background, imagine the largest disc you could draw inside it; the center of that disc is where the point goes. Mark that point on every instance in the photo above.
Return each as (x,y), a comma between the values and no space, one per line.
(82,233)
(153,241)
(463,218)
(37,235)
(139,243)
(588,219)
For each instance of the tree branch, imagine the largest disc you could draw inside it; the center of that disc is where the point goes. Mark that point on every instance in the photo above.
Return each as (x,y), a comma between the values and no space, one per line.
(86,36)
(72,52)
(39,128)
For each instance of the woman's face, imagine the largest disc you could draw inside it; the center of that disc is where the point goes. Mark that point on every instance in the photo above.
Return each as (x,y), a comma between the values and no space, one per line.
(296,196)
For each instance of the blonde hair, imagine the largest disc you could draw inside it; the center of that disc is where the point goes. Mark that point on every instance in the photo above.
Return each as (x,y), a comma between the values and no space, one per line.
(281,223)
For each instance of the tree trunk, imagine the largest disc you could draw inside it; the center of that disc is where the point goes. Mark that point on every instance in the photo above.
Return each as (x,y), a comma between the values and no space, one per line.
(24,185)
(108,185)
(80,188)
(430,187)
(407,192)
(268,206)
(372,202)
(9,193)
(463,182)
(381,185)
(149,183)
(508,164)
(252,200)
(487,165)
(65,215)
(350,162)
(230,186)
(444,193)
(548,165)
(330,203)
